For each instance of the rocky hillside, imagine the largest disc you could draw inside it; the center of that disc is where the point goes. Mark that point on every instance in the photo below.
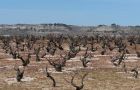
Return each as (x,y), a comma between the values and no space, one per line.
(43,29)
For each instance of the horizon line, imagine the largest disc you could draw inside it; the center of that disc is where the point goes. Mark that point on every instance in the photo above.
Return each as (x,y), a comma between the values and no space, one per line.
(69,24)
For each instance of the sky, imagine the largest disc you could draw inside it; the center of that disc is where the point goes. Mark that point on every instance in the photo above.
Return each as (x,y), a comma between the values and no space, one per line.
(74,12)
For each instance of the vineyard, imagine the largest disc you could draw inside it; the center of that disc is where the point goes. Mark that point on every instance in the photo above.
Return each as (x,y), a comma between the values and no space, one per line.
(70,62)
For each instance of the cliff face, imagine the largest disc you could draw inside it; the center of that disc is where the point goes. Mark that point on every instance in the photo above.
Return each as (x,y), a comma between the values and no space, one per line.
(43,29)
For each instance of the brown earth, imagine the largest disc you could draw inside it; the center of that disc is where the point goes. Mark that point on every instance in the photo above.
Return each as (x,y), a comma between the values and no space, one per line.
(103,75)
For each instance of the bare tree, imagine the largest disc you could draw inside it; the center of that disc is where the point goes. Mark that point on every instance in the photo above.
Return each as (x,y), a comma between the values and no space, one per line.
(51,47)
(131,40)
(124,67)
(58,64)
(138,53)
(13,53)
(136,50)
(49,76)
(74,85)
(26,61)
(118,59)
(19,74)
(36,51)
(84,59)
(103,51)
(135,72)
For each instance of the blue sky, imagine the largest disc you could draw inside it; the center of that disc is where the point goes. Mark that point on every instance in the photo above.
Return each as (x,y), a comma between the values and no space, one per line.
(76,12)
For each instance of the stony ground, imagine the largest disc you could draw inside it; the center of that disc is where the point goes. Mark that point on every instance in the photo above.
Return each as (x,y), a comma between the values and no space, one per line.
(102,74)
